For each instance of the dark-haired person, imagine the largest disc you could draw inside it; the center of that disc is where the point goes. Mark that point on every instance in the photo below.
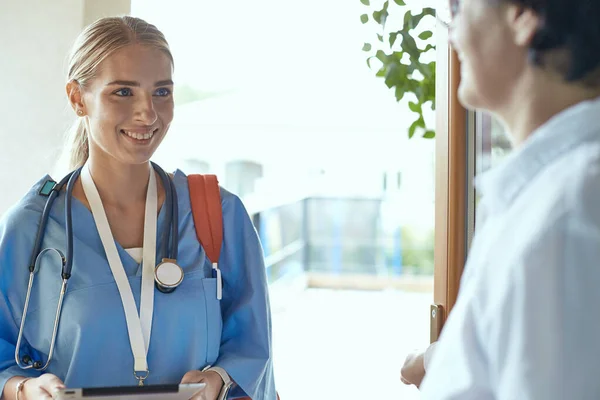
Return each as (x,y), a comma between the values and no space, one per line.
(525,324)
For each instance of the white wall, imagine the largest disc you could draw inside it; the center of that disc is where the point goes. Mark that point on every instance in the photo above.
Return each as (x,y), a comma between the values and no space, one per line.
(35,37)
(95,9)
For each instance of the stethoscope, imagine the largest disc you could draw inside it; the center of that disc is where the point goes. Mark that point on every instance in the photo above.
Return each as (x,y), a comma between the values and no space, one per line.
(167,275)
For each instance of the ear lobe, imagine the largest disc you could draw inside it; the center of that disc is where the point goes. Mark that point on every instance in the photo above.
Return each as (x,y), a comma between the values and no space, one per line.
(524,23)
(74,94)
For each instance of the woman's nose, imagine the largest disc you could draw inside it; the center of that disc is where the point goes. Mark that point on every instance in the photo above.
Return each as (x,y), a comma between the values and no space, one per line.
(145,111)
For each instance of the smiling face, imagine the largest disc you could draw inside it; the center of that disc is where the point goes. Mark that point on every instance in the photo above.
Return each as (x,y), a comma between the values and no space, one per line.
(129,105)
(493,62)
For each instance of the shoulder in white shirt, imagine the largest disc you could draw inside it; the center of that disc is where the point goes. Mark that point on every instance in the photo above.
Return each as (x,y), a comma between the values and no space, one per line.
(524,325)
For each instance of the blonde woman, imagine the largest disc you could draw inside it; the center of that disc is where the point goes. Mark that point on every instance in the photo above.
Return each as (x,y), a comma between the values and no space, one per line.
(116,328)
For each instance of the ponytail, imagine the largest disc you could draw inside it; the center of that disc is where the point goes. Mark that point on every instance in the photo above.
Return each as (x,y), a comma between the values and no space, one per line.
(77,148)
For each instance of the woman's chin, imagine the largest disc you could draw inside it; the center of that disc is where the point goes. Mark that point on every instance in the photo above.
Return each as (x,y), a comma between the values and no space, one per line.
(468,96)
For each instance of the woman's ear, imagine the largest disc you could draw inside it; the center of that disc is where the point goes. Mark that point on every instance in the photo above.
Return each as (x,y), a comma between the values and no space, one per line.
(75,97)
(523,23)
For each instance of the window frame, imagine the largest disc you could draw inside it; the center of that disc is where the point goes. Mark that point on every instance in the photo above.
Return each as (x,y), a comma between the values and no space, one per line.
(455,151)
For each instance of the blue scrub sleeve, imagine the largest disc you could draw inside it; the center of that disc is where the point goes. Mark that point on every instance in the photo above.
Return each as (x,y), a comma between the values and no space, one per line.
(8,339)
(12,245)
(246,352)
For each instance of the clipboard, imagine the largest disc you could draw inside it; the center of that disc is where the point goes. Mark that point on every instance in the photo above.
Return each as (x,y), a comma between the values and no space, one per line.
(148,392)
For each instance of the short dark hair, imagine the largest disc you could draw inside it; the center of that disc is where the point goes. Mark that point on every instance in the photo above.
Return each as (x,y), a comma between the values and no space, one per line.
(571,25)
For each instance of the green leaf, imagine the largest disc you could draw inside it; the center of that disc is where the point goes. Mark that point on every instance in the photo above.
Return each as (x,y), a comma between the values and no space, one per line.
(429,135)
(410,46)
(412,129)
(400,2)
(398,57)
(364,18)
(381,56)
(407,18)
(419,123)
(425,35)
(419,93)
(431,66)
(380,17)
(427,70)
(380,37)
(393,37)
(414,107)
(365,2)
(369,61)
(367,47)
(429,11)
(386,5)
(377,16)
(412,21)
(394,75)
(399,93)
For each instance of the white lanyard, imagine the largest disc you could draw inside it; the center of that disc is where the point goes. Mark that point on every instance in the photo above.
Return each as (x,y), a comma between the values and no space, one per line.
(139,328)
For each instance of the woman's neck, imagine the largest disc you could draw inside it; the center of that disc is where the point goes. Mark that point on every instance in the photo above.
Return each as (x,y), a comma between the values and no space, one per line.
(537,100)
(120,185)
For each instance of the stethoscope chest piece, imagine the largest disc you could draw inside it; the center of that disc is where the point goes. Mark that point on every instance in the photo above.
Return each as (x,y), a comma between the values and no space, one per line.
(168,275)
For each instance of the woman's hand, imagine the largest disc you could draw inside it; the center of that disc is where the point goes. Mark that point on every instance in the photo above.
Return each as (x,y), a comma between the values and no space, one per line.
(43,387)
(413,370)
(213,381)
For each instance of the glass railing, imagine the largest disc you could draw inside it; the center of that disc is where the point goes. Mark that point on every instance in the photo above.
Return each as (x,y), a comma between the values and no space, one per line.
(339,236)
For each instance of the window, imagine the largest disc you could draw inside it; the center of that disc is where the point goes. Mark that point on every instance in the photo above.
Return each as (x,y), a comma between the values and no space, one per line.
(491,146)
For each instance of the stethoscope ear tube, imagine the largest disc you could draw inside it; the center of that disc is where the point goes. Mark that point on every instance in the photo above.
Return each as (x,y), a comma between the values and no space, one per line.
(66,274)
(39,237)
(26,362)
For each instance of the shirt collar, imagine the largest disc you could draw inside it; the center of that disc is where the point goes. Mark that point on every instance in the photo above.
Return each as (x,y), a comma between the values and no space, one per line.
(564,131)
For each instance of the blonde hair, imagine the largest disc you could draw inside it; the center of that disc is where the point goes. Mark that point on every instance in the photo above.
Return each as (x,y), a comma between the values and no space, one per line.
(95,43)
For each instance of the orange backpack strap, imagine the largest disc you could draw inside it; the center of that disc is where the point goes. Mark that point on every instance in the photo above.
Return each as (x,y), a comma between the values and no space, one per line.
(205,197)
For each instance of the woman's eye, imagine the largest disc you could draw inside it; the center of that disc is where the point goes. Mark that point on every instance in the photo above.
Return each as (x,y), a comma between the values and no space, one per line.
(123,92)
(162,92)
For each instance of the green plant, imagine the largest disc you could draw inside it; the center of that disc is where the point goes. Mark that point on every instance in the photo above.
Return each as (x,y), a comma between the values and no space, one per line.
(402,66)
(417,251)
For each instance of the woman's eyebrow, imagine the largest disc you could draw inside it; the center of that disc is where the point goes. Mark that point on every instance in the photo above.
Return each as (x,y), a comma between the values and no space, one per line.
(166,82)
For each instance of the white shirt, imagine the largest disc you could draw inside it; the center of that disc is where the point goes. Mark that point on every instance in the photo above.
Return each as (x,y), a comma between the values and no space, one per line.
(526,323)
(137,253)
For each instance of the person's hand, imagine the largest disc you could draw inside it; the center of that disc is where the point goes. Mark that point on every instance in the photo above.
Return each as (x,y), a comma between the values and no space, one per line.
(43,387)
(413,370)
(213,381)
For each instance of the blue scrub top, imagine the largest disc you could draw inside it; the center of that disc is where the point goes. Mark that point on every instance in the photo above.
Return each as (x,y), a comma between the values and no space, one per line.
(190,327)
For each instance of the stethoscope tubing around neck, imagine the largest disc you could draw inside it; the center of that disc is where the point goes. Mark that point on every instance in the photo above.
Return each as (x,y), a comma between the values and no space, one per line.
(171,212)
(171,207)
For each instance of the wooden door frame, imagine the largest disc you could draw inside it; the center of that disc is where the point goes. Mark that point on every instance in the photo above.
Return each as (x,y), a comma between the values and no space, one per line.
(451,187)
